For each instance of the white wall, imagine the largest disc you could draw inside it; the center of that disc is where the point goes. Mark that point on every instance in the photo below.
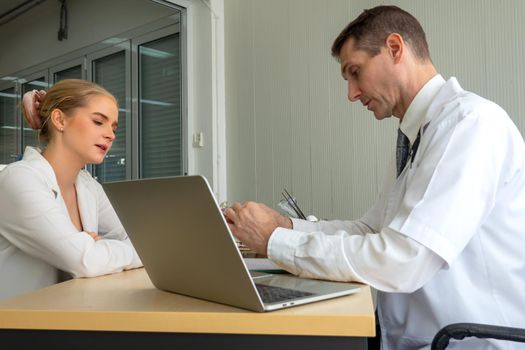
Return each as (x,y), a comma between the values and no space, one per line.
(289,123)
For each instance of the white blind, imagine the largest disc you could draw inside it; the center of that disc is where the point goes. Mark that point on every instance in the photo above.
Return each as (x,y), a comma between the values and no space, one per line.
(30,136)
(70,73)
(110,72)
(160,107)
(7,126)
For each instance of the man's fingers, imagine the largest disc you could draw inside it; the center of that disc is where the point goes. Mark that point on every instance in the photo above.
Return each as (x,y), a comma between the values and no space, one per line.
(231,215)
(236,206)
(233,229)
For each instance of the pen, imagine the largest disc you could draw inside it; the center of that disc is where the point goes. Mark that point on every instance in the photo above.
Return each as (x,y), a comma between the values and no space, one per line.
(293,204)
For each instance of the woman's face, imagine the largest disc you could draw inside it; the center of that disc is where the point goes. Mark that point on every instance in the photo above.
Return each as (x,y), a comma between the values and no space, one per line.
(89,131)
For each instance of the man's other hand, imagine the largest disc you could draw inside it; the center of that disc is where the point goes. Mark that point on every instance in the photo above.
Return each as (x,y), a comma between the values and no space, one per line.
(253,223)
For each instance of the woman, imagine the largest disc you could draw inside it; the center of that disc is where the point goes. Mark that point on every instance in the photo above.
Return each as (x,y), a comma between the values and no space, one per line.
(53,214)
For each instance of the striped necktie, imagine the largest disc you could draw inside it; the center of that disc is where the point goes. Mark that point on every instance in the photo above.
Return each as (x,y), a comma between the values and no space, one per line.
(403,150)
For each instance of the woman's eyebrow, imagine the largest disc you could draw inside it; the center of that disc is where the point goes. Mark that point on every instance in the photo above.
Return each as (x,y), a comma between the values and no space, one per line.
(105,117)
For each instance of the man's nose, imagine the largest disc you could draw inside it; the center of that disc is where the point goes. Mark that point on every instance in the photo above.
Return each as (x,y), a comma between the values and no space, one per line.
(353,92)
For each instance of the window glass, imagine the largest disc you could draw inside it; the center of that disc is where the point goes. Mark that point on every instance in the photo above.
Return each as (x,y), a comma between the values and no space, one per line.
(110,72)
(142,68)
(160,117)
(30,136)
(7,126)
(70,73)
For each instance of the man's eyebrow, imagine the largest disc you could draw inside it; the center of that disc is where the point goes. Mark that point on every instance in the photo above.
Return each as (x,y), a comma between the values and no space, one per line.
(105,117)
(344,68)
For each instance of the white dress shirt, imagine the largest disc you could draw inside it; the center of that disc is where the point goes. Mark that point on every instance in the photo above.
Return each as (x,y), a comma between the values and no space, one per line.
(444,242)
(37,236)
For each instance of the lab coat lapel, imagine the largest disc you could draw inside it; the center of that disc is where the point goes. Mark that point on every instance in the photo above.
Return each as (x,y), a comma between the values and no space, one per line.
(447,93)
(87,205)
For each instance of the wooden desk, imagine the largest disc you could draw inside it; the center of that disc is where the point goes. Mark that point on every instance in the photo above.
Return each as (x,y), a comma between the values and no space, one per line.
(125,311)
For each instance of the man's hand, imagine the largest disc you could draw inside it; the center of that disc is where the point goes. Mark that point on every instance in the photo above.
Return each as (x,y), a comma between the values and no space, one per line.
(253,224)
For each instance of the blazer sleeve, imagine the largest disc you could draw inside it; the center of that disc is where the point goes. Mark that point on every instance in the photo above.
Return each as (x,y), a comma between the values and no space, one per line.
(34,218)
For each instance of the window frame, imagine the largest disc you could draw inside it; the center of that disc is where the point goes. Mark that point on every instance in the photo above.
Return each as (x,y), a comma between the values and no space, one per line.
(80,61)
(8,84)
(127,41)
(135,43)
(27,78)
(125,46)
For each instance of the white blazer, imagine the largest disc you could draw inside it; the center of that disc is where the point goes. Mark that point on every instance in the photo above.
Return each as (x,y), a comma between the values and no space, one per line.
(37,236)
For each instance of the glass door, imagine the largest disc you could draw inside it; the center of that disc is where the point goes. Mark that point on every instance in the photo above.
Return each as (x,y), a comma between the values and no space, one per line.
(8,127)
(73,69)
(159,90)
(37,81)
(110,69)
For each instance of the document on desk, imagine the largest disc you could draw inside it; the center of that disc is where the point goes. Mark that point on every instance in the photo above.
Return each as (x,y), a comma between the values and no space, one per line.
(262,265)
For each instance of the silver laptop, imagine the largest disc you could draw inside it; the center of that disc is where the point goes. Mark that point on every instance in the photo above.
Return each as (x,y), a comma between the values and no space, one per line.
(187,248)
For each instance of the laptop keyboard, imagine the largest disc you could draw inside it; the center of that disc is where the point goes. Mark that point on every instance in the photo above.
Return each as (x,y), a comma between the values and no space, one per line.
(271,294)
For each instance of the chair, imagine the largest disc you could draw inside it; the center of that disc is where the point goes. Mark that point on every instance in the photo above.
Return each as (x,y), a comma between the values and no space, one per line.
(483,331)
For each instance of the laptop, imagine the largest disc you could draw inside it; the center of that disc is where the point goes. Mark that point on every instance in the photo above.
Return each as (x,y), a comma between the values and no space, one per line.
(187,248)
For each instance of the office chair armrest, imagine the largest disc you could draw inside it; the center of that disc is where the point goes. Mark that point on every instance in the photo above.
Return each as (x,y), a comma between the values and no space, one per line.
(462,330)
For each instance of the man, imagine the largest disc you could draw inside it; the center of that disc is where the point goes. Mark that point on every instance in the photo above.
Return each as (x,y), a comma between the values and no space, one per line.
(444,242)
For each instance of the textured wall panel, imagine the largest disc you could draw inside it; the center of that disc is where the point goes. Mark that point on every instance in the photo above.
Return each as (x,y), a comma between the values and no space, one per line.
(289,121)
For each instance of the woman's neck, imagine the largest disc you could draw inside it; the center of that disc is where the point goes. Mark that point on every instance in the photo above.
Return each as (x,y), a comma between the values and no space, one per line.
(65,165)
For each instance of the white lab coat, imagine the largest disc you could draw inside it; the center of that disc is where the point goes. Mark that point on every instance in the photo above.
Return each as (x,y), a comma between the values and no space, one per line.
(37,236)
(445,241)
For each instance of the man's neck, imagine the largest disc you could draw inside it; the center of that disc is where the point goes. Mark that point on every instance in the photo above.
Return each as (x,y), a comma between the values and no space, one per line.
(414,81)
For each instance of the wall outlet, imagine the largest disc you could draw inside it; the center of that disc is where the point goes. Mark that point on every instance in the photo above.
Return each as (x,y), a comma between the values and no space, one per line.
(198,140)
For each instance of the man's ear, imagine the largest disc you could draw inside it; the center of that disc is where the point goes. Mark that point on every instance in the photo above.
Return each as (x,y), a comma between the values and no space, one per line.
(395,46)
(58,119)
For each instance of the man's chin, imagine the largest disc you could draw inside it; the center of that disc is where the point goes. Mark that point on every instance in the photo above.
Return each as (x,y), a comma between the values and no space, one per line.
(381,116)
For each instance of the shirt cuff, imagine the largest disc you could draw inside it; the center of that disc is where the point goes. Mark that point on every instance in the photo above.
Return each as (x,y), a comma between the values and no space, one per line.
(304,225)
(281,248)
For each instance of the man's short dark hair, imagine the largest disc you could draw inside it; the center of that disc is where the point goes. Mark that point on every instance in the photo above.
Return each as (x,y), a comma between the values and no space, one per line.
(371,28)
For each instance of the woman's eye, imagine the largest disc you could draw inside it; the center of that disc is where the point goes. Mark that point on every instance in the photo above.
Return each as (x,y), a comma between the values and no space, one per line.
(97,122)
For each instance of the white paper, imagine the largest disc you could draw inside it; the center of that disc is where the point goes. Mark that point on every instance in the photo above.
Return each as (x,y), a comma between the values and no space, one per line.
(260,264)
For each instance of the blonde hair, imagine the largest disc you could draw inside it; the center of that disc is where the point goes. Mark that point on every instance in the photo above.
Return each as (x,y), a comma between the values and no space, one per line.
(66,95)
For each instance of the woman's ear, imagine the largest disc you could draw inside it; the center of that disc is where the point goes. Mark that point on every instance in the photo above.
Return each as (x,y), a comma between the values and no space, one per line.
(395,46)
(58,119)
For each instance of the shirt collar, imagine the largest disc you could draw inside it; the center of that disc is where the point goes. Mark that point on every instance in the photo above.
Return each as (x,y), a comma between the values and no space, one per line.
(416,112)
(33,155)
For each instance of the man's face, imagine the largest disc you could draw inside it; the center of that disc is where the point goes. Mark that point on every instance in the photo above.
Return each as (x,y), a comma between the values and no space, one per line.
(371,80)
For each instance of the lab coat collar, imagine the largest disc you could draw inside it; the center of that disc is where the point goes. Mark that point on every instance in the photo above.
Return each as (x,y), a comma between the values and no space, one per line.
(88,214)
(33,155)
(414,117)
(450,90)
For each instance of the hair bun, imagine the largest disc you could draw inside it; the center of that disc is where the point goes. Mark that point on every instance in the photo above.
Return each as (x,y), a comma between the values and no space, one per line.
(32,101)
